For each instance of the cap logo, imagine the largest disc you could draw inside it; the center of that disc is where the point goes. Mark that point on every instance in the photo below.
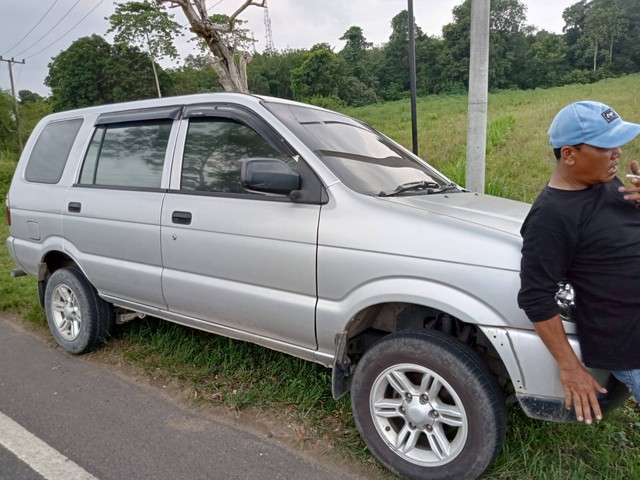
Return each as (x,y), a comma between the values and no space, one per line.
(609,115)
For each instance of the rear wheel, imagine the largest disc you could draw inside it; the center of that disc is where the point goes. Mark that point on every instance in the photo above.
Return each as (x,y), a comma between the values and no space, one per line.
(78,318)
(427,407)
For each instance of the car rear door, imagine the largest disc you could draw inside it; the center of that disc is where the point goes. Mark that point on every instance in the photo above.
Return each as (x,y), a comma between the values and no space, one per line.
(111,217)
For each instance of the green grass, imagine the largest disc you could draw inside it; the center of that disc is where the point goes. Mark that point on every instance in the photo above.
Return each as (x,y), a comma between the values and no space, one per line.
(17,294)
(524,161)
(245,377)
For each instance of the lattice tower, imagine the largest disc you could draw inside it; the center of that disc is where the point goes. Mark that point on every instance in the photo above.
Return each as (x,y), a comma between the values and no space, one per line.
(267,29)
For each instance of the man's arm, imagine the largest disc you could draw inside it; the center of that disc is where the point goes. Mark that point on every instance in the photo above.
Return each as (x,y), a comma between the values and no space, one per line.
(579,386)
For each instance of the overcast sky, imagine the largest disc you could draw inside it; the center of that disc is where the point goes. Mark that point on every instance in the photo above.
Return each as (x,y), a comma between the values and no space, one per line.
(294,24)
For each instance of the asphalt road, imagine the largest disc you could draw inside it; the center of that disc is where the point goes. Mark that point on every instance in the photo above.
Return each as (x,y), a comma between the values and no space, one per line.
(62,417)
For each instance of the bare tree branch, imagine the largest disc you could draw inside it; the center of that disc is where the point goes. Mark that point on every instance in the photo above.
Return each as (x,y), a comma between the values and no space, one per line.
(230,65)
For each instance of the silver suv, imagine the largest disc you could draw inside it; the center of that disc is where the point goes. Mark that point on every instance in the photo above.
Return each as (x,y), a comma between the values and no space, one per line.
(302,230)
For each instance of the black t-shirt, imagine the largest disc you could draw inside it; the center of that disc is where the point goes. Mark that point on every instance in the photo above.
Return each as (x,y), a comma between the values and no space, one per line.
(591,238)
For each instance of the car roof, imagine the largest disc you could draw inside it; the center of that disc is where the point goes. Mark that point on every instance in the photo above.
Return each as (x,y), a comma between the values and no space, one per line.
(195,99)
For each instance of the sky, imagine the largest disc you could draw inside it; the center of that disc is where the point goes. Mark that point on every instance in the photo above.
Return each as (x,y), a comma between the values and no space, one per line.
(37,30)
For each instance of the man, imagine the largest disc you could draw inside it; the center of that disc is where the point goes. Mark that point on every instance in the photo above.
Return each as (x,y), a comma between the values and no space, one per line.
(584,227)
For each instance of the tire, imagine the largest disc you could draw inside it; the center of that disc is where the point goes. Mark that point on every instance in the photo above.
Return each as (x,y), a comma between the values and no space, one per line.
(78,318)
(427,407)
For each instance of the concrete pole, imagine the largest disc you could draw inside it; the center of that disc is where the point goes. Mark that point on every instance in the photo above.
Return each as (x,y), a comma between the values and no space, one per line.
(412,77)
(478,96)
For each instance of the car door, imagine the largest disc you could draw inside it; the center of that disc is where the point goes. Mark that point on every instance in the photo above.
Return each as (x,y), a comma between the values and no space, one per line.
(111,218)
(231,257)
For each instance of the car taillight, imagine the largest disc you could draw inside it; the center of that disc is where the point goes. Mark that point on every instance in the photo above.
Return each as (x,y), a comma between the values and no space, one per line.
(8,211)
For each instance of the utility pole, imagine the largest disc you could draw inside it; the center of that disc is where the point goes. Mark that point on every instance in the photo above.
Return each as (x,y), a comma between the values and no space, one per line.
(412,76)
(15,97)
(478,96)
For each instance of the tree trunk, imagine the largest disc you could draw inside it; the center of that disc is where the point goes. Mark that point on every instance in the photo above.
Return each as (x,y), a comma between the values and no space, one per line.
(595,55)
(231,71)
(611,50)
(155,75)
(153,67)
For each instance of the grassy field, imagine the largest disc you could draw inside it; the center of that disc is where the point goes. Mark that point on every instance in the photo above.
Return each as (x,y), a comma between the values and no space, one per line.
(246,378)
(524,161)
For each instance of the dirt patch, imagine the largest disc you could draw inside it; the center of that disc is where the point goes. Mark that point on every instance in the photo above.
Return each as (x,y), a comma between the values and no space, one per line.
(281,427)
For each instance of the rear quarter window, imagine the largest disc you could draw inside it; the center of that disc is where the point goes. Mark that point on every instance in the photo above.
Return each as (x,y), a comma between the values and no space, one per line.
(51,151)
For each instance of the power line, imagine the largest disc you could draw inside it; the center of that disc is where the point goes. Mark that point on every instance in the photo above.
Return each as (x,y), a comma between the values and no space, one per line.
(67,32)
(34,27)
(37,41)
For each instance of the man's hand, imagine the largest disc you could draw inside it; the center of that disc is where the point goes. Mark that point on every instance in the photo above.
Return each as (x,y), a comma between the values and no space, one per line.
(632,193)
(580,388)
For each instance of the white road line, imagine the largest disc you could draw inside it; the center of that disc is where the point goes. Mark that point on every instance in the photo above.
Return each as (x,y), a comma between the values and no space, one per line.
(48,462)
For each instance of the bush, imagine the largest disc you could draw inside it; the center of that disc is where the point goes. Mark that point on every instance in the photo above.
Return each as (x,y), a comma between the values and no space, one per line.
(8,162)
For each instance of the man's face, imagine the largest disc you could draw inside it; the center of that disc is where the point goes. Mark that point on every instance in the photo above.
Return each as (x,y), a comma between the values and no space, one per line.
(594,165)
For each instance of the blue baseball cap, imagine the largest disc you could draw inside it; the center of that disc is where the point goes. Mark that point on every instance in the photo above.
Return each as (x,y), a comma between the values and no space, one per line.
(592,123)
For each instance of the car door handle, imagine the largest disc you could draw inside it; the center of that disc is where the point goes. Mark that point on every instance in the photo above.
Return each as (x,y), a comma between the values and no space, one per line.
(75,207)
(183,218)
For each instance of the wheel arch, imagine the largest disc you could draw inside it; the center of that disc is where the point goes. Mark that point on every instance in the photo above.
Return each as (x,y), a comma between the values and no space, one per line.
(51,261)
(374,322)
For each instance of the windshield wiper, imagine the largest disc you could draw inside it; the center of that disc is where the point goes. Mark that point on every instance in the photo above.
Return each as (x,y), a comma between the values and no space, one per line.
(421,186)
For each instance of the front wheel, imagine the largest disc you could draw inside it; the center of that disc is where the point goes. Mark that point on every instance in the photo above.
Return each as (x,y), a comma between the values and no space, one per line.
(427,407)
(78,318)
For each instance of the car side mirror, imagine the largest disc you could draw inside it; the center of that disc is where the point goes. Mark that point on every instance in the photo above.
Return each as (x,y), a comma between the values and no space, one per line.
(268,175)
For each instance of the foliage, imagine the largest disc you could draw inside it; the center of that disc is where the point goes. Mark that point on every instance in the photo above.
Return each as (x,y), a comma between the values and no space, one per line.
(8,127)
(318,76)
(27,96)
(147,26)
(195,76)
(93,72)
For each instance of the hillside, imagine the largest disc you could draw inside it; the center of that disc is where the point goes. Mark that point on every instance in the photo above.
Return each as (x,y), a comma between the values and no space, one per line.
(521,159)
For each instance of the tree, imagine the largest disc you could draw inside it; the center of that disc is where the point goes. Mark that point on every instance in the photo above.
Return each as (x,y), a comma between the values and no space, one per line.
(507,47)
(604,24)
(319,75)
(77,75)
(27,96)
(93,72)
(547,62)
(229,62)
(195,76)
(396,69)
(355,51)
(146,25)
(8,127)
(270,73)
(31,112)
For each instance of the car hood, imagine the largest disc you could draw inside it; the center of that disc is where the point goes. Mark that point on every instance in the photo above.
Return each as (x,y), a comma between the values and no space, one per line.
(484,210)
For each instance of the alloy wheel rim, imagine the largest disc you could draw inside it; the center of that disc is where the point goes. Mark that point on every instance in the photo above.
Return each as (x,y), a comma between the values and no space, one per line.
(418,415)
(67,316)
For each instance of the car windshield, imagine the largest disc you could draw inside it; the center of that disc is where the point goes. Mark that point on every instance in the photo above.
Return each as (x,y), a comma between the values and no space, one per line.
(363,158)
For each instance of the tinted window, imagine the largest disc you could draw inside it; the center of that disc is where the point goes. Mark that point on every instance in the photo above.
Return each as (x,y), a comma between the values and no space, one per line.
(214,151)
(127,154)
(50,153)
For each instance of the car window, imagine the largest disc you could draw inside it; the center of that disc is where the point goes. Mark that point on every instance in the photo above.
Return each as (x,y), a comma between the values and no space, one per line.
(213,154)
(127,154)
(49,155)
(364,159)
